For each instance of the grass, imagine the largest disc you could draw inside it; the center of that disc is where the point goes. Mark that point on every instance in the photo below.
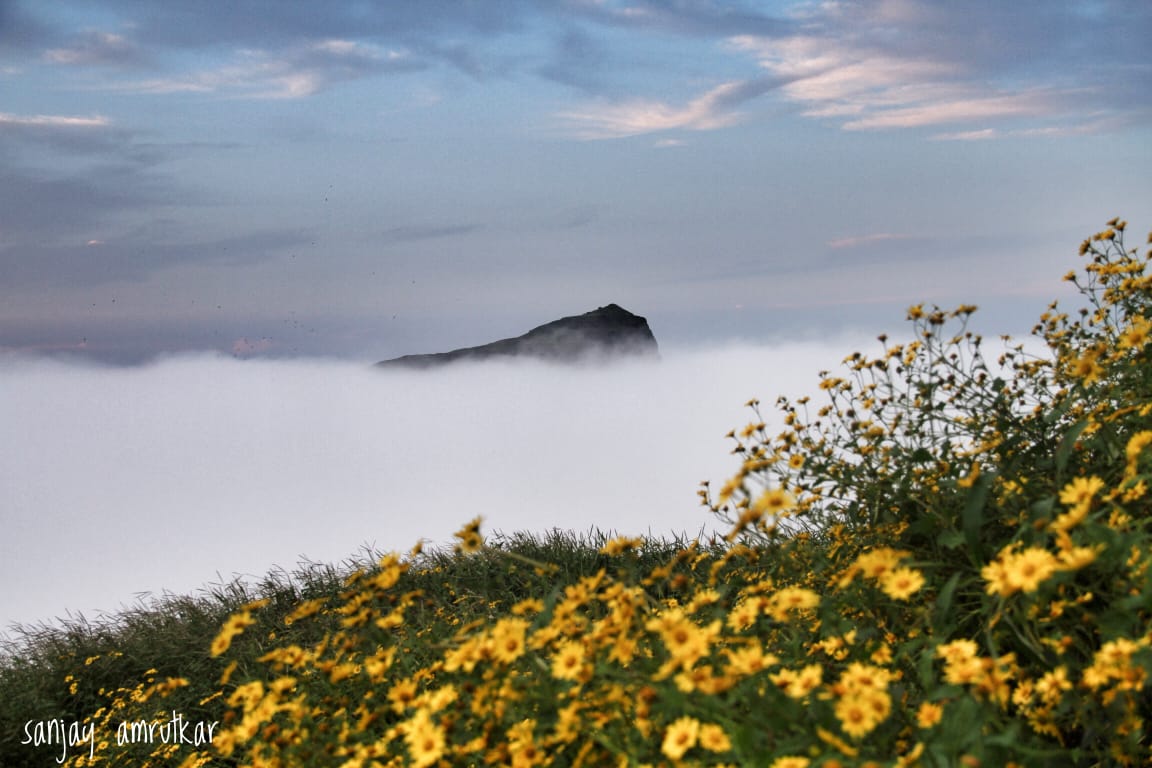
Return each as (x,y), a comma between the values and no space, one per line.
(170,637)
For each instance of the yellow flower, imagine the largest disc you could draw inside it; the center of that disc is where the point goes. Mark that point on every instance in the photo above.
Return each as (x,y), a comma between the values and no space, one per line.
(234,625)
(508,639)
(1075,558)
(790,762)
(997,577)
(774,502)
(305,609)
(470,538)
(745,613)
(856,715)
(402,694)
(1052,685)
(1070,519)
(797,685)
(1137,334)
(1029,568)
(749,660)
(970,479)
(1080,490)
(876,562)
(791,599)
(425,740)
(860,677)
(929,714)
(1087,367)
(902,583)
(1136,444)
(1022,571)
(713,738)
(568,662)
(620,545)
(957,650)
(680,737)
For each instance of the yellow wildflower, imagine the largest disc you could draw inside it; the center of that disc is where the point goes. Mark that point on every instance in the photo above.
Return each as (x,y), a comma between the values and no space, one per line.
(929,714)
(620,545)
(714,739)
(425,739)
(902,583)
(774,502)
(799,684)
(1137,334)
(1136,444)
(791,599)
(1080,490)
(568,662)
(469,536)
(680,737)
(861,709)
(508,639)
(790,762)
(1087,367)
(234,625)
(1022,571)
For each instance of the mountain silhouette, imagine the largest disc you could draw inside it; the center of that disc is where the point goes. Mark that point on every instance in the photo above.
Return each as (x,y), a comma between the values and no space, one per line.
(609,332)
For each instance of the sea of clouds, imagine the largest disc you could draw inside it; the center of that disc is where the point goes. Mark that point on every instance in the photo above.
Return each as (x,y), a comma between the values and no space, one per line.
(121,482)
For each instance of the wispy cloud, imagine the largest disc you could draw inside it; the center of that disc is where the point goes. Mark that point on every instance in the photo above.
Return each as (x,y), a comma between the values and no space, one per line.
(52,121)
(289,74)
(97,48)
(715,108)
(1085,128)
(859,240)
(876,65)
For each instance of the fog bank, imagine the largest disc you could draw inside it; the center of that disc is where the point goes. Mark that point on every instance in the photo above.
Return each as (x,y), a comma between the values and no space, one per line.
(120,481)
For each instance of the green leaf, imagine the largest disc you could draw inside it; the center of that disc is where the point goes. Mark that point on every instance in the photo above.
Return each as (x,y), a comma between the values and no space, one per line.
(950,539)
(972,519)
(1068,444)
(944,603)
(1043,508)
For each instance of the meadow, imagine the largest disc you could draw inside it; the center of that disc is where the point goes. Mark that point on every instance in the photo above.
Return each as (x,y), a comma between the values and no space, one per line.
(942,561)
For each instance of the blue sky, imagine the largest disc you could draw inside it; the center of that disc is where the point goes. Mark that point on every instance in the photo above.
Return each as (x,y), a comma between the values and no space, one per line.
(368,179)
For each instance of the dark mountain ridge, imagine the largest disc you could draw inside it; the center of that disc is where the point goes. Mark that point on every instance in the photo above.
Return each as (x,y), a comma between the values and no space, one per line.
(606,333)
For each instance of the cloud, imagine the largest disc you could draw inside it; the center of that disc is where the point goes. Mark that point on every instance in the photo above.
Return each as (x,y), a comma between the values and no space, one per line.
(37,209)
(859,240)
(101,262)
(96,48)
(906,64)
(700,18)
(120,481)
(296,72)
(953,108)
(51,121)
(716,108)
(66,173)
(884,65)
(74,134)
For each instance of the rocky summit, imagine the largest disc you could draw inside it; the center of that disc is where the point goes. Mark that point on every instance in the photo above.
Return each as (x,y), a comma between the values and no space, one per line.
(609,332)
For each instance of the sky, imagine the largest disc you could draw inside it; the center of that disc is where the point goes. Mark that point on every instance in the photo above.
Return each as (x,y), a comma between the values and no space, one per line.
(215,215)
(362,180)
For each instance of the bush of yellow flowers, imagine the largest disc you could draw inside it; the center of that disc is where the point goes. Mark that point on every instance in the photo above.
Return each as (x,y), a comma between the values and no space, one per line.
(945,562)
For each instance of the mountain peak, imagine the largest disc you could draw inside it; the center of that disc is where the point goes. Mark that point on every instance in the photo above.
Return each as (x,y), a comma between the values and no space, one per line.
(606,332)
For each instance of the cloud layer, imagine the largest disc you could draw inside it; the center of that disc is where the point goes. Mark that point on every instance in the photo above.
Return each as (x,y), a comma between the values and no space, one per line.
(121,481)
